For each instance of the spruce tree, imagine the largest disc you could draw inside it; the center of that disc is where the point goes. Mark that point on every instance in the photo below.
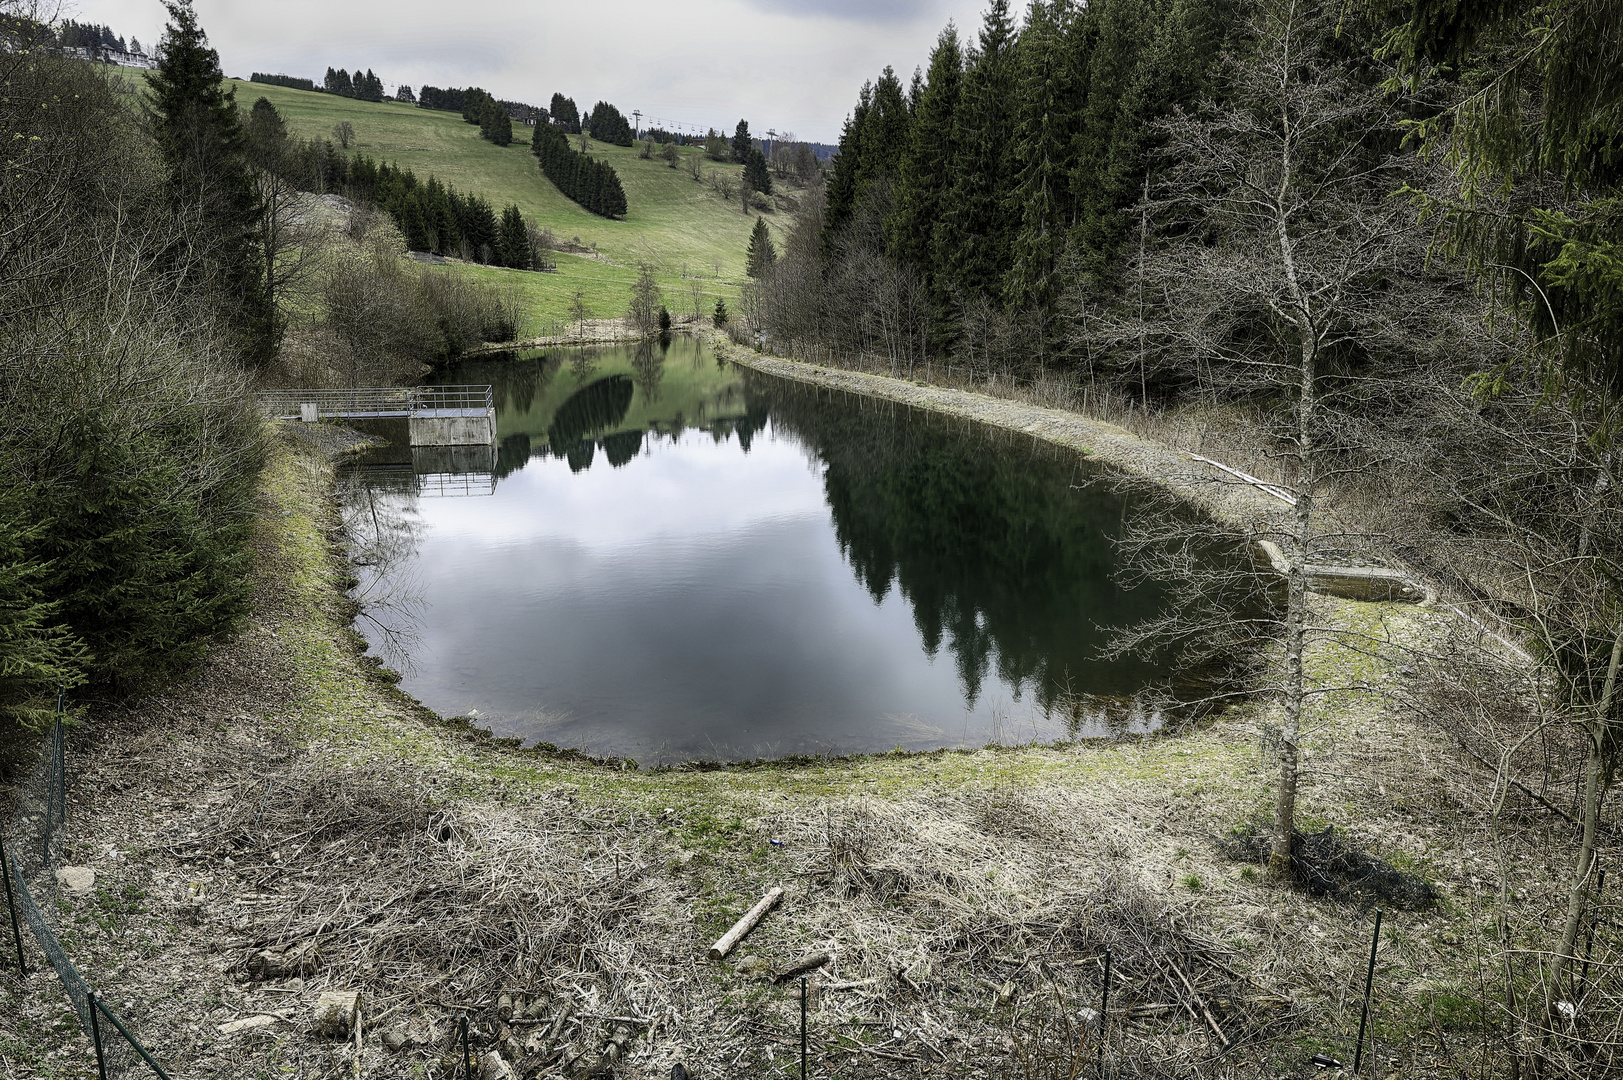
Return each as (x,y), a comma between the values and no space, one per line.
(198,132)
(756,175)
(741,142)
(38,653)
(609,125)
(761,255)
(1052,65)
(884,143)
(926,163)
(841,198)
(1539,147)
(1109,162)
(564,109)
(977,224)
(513,248)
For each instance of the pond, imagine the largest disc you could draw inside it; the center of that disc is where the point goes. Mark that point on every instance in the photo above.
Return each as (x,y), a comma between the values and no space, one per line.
(668,557)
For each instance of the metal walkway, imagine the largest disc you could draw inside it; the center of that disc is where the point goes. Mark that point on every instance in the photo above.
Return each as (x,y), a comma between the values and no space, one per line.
(379,403)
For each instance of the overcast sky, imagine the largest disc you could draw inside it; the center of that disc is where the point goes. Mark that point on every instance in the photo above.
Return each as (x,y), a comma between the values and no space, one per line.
(793,65)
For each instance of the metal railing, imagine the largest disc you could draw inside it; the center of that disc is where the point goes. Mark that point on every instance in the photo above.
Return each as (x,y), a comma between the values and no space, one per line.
(377,402)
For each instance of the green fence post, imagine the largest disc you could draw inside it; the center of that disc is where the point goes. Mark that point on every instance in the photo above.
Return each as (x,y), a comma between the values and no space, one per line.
(11,903)
(61,771)
(95,1034)
(134,1043)
(1369,984)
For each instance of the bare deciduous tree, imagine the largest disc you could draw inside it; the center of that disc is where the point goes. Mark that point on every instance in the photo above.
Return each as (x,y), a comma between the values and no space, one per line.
(579,312)
(1283,260)
(642,314)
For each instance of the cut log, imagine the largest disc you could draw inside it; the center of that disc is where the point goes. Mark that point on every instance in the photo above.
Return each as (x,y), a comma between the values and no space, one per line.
(725,944)
(804,964)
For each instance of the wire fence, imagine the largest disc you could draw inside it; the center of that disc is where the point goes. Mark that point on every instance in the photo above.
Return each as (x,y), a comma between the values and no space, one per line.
(31,853)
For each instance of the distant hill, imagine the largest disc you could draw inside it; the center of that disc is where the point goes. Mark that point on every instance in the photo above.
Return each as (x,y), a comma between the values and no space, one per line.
(681,228)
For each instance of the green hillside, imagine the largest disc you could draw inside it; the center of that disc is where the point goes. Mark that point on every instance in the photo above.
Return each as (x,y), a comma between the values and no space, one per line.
(681,228)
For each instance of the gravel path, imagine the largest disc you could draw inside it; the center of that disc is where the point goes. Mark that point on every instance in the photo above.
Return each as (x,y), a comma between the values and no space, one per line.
(1221,495)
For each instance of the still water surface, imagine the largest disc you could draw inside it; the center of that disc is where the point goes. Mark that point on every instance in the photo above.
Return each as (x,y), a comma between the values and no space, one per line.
(669,557)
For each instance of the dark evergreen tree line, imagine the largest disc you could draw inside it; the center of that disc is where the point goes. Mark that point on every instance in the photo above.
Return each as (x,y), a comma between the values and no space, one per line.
(441,100)
(565,114)
(97,38)
(1002,175)
(434,216)
(661,136)
(607,125)
(479,107)
(363,85)
(591,183)
(290,81)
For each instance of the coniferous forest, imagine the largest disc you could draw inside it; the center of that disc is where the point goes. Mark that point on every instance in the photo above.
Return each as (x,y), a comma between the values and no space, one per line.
(362,86)
(608,125)
(292,82)
(130,446)
(591,183)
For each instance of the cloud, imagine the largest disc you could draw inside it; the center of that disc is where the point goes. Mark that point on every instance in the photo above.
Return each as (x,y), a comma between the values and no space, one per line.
(793,65)
(861,11)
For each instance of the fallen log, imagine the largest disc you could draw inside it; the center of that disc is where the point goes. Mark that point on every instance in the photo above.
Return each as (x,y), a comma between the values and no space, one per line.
(803,965)
(725,943)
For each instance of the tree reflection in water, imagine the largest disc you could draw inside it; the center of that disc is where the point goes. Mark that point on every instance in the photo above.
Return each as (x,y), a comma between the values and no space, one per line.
(1003,552)
(383,528)
(928,571)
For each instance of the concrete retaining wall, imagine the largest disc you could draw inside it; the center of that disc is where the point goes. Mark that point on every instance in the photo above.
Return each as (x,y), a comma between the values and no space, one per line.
(454,430)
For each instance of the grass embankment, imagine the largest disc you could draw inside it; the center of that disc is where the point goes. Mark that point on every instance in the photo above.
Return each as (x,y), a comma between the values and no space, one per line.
(681,228)
(287,823)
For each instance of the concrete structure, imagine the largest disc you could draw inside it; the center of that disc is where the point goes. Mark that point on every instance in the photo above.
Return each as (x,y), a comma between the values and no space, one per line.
(436,415)
(462,430)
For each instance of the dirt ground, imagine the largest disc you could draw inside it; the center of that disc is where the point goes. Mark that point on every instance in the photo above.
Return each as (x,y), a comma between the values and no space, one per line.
(286,823)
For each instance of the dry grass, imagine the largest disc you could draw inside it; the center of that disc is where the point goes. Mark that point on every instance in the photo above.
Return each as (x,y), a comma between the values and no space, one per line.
(287,824)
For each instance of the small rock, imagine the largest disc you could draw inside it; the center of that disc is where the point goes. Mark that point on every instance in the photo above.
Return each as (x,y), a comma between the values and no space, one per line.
(336,1012)
(752,967)
(492,1067)
(249,1023)
(77,880)
(396,1040)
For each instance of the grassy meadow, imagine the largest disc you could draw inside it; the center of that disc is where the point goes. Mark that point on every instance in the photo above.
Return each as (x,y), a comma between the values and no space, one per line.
(679,227)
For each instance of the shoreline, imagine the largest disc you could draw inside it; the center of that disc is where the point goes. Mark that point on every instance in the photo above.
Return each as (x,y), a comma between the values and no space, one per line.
(1214,489)
(288,795)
